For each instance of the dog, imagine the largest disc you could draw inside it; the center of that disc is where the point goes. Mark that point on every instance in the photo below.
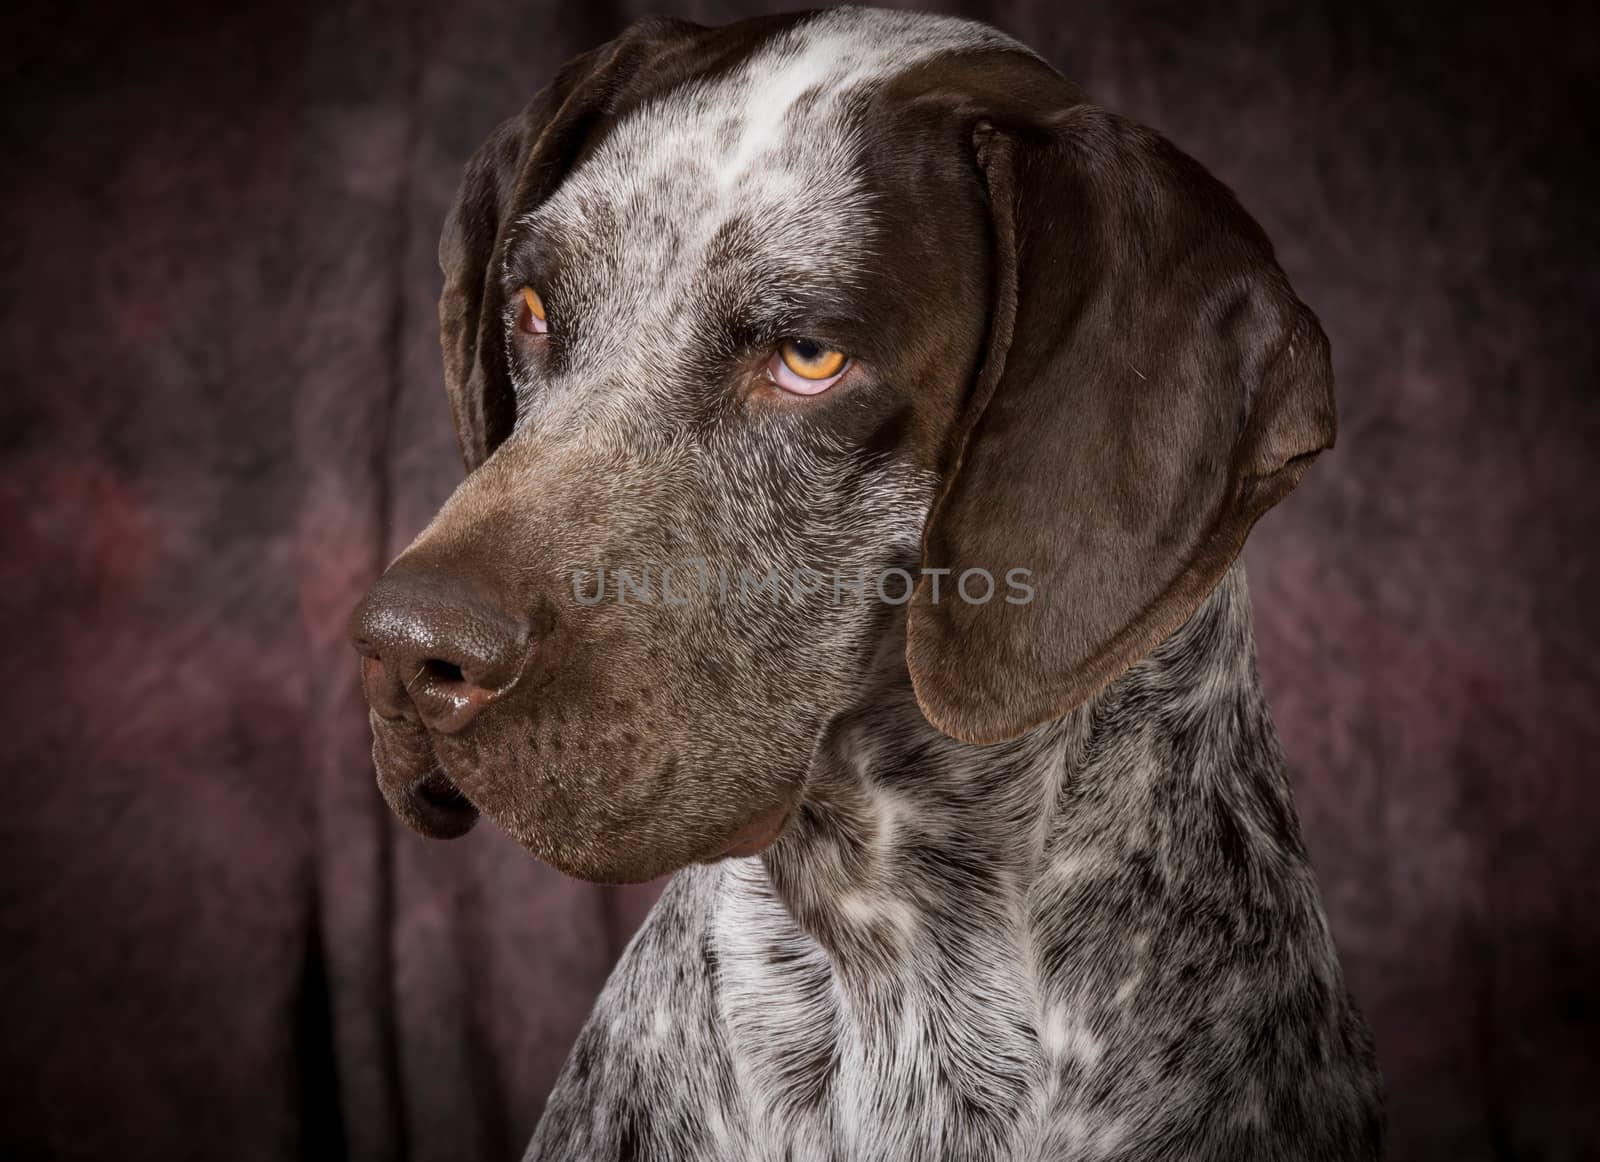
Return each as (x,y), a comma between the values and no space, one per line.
(862,429)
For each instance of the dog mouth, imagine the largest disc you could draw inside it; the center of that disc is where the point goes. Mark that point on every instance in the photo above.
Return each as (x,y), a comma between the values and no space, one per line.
(438,808)
(439,792)
(415,785)
(416,782)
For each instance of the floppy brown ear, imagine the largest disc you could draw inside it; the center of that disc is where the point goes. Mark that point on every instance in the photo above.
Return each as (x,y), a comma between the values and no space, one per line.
(520,165)
(1151,387)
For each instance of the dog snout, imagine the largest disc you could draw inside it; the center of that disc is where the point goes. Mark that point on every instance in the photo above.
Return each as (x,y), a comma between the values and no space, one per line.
(435,647)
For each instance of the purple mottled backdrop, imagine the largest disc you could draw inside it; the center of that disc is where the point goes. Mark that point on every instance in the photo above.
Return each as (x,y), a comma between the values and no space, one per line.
(222,413)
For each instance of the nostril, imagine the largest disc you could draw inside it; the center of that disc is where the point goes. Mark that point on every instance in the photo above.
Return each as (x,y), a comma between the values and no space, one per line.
(436,647)
(448,695)
(440,672)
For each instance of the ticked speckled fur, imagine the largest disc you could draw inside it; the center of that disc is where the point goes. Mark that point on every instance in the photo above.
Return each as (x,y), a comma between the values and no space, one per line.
(1102,940)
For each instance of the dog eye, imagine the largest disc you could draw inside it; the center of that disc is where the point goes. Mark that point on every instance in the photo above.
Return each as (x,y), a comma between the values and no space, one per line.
(806,367)
(532,319)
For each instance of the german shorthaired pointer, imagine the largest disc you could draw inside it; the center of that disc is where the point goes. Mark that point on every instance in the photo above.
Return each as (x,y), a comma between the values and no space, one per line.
(862,428)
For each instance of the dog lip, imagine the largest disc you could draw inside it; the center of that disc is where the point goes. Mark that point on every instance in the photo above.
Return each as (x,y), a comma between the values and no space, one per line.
(438,808)
(438,790)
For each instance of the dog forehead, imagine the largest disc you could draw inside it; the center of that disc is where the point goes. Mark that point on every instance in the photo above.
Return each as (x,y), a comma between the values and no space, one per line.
(770,145)
(732,201)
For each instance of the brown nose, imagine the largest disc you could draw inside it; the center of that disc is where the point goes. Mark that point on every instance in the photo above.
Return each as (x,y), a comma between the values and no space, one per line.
(435,647)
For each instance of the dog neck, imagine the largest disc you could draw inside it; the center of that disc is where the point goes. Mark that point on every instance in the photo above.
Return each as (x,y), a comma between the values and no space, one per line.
(910,847)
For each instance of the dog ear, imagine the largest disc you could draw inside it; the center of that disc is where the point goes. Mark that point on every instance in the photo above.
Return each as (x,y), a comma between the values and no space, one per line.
(520,165)
(1151,386)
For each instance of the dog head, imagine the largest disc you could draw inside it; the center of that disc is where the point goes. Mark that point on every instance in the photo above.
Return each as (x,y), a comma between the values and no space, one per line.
(760,338)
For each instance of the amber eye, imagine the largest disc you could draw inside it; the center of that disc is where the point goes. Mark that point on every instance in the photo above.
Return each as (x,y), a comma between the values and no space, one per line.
(806,367)
(533,320)
(811,360)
